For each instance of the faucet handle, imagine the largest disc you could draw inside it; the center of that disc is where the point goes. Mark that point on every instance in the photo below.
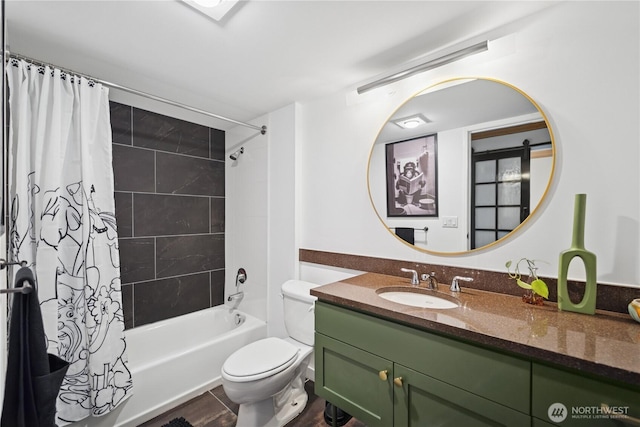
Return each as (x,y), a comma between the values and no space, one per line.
(433,280)
(455,286)
(414,276)
(241,276)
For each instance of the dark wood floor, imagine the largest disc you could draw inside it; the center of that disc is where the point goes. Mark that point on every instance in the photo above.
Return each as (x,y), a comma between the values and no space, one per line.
(214,409)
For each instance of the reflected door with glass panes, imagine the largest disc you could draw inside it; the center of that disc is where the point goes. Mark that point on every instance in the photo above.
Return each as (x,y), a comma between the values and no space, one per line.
(499,193)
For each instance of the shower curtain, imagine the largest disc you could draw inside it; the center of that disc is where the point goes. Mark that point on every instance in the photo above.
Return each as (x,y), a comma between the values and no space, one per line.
(62,224)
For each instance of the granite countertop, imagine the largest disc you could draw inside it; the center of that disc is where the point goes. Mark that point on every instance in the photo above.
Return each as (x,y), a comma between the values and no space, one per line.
(606,344)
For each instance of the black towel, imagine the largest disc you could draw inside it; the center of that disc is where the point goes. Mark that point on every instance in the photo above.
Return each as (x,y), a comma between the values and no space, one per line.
(406,234)
(33,377)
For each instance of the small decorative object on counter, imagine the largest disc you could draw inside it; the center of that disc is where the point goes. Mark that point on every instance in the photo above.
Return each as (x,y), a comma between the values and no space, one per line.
(588,303)
(634,309)
(537,289)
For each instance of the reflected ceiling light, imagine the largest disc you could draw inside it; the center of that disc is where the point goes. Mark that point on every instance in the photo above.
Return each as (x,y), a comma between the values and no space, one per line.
(412,121)
(215,9)
(429,65)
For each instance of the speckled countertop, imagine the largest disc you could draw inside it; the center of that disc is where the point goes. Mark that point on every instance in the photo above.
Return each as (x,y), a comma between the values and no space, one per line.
(606,344)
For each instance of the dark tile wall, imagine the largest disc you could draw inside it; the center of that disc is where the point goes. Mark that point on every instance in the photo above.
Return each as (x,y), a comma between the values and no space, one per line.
(169,194)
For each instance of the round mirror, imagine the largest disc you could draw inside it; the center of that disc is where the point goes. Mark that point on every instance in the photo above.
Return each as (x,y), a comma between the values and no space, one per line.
(461,165)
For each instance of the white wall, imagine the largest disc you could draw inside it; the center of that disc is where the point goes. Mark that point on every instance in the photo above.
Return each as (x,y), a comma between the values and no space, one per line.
(580,62)
(260,214)
(246,216)
(282,255)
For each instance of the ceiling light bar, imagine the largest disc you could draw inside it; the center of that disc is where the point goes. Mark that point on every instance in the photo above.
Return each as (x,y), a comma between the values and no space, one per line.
(429,65)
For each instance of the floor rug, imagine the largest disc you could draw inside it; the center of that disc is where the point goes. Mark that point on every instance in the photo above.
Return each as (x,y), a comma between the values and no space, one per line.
(178,422)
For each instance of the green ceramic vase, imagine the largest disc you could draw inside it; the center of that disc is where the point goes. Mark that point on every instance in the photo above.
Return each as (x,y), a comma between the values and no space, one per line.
(588,303)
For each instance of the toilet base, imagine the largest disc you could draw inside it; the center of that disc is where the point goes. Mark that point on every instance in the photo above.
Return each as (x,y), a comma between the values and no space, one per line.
(275,411)
(284,394)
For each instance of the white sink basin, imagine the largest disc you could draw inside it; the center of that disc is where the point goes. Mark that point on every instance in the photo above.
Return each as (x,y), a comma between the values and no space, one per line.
(416,299)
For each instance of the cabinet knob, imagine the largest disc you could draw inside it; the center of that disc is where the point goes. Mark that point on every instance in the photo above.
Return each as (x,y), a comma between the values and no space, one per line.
(398,381)
(383,375)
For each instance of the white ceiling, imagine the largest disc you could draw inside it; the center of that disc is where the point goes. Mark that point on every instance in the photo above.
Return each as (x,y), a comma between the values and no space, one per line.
(264,55)
(457,104)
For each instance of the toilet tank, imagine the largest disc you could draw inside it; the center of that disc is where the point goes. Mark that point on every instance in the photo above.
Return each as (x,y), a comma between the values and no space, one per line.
(298,310)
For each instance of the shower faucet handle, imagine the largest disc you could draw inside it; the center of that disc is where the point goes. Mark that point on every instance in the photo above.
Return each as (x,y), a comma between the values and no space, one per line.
(241,276)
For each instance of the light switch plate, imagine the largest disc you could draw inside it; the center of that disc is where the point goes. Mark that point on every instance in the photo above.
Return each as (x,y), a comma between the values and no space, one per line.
(449,222)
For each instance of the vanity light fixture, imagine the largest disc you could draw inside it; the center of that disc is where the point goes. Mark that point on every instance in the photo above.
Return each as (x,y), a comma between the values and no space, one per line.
(215,9)
(429,65)
(412,121)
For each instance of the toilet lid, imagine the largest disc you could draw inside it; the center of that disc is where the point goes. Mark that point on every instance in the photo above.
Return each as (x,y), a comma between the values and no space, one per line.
(260,359)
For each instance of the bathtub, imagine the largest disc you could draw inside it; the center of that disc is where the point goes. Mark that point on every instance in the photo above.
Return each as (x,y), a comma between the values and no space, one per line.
(175,360)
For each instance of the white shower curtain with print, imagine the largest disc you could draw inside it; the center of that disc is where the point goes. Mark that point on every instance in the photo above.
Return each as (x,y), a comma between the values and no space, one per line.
(62,223)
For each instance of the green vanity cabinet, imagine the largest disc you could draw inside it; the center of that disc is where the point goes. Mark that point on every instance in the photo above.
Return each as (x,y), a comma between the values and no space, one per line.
(387,374)
(351,381)
(425,401)
(539,423)
(580,400)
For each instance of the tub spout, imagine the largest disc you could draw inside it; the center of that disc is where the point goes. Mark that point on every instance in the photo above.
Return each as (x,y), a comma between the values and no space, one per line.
(235,300)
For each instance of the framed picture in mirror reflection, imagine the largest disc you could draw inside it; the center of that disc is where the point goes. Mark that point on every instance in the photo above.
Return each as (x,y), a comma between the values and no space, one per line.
(412,177)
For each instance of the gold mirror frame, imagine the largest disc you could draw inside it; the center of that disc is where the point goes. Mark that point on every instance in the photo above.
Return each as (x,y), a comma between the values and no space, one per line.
(512,233)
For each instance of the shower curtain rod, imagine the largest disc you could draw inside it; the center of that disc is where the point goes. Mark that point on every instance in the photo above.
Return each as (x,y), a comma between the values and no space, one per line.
(263,129)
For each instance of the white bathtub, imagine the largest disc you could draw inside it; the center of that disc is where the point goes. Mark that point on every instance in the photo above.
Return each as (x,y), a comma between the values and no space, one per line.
(175,360)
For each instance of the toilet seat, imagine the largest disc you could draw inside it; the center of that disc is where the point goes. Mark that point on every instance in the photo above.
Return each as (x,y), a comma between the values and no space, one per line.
(259,360)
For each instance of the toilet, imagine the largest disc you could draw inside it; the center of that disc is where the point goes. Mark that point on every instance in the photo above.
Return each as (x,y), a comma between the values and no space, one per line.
(266,378)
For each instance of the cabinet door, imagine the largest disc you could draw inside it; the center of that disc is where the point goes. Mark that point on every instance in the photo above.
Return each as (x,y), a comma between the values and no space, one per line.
(350,379)
(535,422)
(575,399)
(425,401)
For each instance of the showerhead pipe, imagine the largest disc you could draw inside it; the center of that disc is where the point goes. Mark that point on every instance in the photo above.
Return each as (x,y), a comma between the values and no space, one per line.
(236,154)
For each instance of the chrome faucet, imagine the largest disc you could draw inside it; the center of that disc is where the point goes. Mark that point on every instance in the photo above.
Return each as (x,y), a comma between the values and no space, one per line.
(432,282)
(235,299)
(414,276)
(455,286)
